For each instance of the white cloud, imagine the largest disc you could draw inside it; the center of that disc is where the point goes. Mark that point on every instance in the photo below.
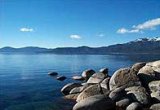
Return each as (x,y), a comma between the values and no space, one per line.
(101,35)
(75,36)
(124,30)
(150,24)
(24,29)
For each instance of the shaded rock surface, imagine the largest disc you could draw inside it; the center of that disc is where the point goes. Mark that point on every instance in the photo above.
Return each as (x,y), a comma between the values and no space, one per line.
(87,73)
(97,102)
(134,106)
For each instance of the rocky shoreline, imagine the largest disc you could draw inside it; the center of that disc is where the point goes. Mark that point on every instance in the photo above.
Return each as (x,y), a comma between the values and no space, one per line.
(132,88)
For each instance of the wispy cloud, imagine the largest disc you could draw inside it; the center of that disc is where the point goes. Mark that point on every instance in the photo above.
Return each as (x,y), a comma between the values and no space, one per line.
(101,35)
(150,24)
(75,36)
(24,29)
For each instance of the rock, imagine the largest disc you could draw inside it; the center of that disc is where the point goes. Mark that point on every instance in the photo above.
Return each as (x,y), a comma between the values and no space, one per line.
(104,71)
(155,107)
(123,103)
(139,94)
(97,102)
(67,88)
(154,87)
(134,106)
(150,72)
(71,96)
(89,91)
(117,93)
(79,89)
(88,73)
(105,83)
(124,76)
(97,78)
(138,66)
(61,78)
(77,78)
(53,73)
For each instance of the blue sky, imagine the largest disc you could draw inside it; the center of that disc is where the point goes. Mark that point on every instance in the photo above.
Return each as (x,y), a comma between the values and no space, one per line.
(61,23)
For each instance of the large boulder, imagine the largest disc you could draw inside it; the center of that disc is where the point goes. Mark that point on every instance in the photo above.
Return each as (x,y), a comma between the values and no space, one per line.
(79,89)
(134,106)
(97,102)
(97,78)
(150,72)
(87,73)
(77,78)
(155,107)
(124,76)
(67,88)
(154,87)
(89,91)
(139,94)
(138,66)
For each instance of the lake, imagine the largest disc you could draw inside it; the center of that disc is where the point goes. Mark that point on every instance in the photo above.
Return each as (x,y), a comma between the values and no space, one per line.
(25,84)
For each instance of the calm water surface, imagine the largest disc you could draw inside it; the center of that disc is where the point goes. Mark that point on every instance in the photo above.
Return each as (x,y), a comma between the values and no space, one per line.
(25,85)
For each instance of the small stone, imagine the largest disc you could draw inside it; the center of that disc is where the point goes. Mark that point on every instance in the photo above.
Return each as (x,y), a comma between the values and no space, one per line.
(61,78)
(53,73)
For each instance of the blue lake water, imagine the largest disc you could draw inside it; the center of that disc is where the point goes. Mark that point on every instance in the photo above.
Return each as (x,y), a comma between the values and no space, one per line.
(25,85)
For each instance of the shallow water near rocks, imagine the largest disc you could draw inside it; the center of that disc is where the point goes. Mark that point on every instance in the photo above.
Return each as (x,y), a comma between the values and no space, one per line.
(26,85)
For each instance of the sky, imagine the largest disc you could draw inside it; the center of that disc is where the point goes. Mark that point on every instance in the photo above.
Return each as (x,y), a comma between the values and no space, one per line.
(72,23)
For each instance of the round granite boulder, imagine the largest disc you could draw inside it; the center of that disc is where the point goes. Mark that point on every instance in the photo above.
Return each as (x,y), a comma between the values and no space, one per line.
(97,78)
(67,88)
(96,102)
(104,71)
(124,76)
(134,106)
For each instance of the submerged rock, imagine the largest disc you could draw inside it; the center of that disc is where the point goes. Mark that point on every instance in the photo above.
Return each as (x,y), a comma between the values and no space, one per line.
(96,102)
(61,78)
(67,88)
(53,73)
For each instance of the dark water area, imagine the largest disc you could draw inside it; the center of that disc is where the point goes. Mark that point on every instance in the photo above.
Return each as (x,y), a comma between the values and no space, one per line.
(25,85)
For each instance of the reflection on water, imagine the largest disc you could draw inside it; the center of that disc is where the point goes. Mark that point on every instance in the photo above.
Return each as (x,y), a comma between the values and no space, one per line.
(25,85)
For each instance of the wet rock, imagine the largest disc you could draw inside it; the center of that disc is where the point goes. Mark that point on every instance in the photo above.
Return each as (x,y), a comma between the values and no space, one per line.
(97,78)
(154,87)
(134,106)
(125,76)
(53,73)
(139,94)
(87,73)
(104,71)
(61,78)
(97,102)
(155,107)
(89,91)
(67,88)
(77,78)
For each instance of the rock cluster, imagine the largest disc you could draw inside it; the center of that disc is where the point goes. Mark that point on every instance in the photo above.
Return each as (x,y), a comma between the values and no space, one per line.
(132,88)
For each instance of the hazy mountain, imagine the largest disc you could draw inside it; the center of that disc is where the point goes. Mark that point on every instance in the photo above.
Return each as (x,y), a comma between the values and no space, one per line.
(143,45)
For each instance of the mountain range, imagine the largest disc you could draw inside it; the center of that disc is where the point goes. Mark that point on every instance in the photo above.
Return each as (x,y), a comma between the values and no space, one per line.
(142,45)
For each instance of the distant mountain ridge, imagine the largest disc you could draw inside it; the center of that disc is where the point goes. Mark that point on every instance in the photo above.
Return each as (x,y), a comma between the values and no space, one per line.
(143,45)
